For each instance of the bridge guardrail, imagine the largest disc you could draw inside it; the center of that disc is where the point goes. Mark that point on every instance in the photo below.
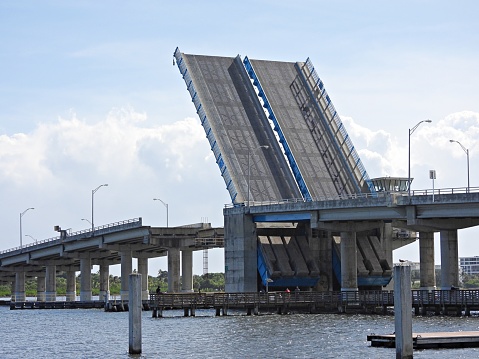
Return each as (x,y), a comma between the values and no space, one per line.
(107,228)
(417,192)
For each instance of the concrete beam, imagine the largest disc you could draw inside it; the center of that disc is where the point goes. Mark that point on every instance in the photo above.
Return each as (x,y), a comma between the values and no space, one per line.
(349,226)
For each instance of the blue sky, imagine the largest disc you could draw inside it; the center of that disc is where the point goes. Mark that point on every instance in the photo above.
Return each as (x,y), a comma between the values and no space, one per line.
(89,95)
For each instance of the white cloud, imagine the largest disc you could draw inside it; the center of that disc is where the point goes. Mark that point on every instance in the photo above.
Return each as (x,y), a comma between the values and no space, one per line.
(385,154)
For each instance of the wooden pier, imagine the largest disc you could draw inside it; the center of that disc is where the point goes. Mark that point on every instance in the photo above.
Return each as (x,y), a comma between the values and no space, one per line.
(430,340)
(57,305)
(438,302)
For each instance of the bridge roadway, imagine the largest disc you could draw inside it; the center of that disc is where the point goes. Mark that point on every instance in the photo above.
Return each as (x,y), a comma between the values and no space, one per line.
(423,301)
(116,243)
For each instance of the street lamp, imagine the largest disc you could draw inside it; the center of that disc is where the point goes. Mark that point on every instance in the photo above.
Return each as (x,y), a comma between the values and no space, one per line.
(467,154)
(166,205)
(84,219)
(249,168)
(93,191)
(27,235)
(21,215)
(411,131)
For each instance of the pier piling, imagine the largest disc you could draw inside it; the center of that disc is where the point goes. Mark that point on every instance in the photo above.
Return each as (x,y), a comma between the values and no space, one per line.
(134,313)
(403,312)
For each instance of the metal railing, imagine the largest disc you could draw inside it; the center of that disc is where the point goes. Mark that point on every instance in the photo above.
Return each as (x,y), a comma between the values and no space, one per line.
(417,192)
(421,298)
(85,233)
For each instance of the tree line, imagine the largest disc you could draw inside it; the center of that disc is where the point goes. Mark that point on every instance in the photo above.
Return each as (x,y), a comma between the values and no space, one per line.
(211,282)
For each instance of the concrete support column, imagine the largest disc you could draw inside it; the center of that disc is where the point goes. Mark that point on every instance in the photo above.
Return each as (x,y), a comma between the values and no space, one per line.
(104,282)
(20,286)
(426,259)
(126,269)
(349,260)
(241,262)
(325,265)
(51,283)
(187,271)
(173,270)
(387,244)
(85,279)
(12,291)
(71,293)
(449,260)
(41,289)
(143,270)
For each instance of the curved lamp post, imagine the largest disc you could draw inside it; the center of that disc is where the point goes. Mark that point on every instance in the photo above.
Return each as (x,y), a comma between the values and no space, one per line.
(466,150)
(166,205)
(93,191)
(21,215)
(411,131)
(84,219)
(249,168)
(27,235)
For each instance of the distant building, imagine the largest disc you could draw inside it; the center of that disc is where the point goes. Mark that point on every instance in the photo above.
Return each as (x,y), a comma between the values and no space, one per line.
(469,265)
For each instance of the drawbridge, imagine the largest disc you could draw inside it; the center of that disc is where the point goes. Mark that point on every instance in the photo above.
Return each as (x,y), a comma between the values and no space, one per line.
(276,136)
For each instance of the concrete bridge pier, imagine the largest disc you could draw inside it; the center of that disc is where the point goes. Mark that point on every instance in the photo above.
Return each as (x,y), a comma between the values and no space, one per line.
(12,290)
(126,269)
(426,261)
(323,245)
(449,259)
(40,288)
(20,286)
(143,270)
(71,292)
(187,270)
(173,270)
(349,260)
(241,260)
(104,293)
(85,279)
(51,283)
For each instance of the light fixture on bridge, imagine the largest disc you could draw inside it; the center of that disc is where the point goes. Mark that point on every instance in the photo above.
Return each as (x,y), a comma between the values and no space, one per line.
(85,219)
(411,131)
(27,235)
(93,191)
(466,150)
(250,152)
(21,215)
(166,205)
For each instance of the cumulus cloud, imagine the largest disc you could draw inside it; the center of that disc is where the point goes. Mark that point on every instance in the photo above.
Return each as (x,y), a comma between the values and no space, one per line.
(55,167)
(118,146)
(384,154)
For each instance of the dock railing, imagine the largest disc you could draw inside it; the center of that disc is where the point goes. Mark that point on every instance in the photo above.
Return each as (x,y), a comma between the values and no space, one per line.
(335,299)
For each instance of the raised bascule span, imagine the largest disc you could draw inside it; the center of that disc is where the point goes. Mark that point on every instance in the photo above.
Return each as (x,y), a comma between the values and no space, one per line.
(277,137)
(245,104)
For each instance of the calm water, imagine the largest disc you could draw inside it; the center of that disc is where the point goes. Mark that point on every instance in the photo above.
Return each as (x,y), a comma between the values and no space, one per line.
(95,334)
